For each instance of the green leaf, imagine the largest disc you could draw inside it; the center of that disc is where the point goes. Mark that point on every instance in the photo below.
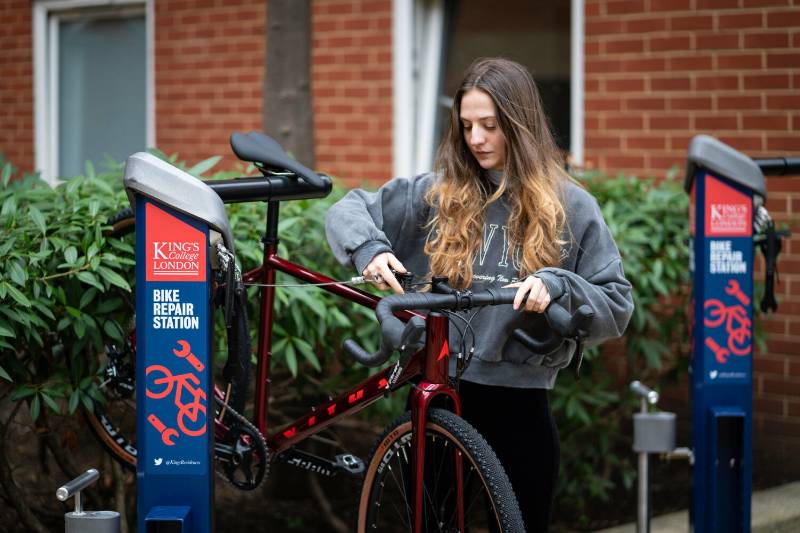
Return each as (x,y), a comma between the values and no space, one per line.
(307,352)
(5,177)
(92,251)
(113,330)
(7,245)
(17,273)
(87,402)
(18,296)
(87,297)
(35,407)
(79,327)
(204,166)
(90,279)
(51,403)
(291,359)
(89,166)
(22,392)
(4,374)
(113,278)
(5,331)
(9,208)
(107,305)
(38,219)
(74,398)
(316,306)
(71,255)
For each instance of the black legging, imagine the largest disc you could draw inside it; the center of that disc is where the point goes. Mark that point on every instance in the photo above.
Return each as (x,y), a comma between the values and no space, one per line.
(519,427)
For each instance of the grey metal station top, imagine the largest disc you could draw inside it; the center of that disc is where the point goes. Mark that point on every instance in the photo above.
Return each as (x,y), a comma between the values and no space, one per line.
(149,176)
(714,155)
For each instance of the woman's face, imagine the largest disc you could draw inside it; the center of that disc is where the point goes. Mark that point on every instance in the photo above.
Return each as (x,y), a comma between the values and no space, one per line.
(482,131)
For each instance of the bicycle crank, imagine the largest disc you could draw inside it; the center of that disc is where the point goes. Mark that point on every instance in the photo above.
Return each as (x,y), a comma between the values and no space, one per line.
(242,453)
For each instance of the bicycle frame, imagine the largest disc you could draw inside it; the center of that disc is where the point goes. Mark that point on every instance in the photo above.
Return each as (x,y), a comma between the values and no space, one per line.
(431,362)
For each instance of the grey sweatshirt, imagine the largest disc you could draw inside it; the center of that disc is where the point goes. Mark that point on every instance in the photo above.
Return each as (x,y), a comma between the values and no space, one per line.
(364,224)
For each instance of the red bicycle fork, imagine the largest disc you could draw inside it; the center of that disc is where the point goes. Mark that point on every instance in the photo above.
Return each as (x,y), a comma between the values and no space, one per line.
(434,383)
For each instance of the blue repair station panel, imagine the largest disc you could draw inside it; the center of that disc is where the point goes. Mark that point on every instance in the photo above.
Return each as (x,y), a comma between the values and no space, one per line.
(175,422)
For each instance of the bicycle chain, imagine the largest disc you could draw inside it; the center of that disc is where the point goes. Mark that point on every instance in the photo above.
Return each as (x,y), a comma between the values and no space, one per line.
(262,444)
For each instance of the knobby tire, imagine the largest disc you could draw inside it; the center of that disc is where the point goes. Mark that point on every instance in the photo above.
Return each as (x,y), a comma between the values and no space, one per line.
(489,501)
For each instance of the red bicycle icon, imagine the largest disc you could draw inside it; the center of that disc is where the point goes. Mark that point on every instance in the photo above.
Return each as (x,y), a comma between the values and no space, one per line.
(738,325)
(184,385)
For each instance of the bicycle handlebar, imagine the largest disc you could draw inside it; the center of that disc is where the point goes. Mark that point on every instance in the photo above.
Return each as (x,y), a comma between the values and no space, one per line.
(396,335)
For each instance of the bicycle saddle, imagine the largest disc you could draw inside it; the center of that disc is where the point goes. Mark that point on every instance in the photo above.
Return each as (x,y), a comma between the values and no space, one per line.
(256,147)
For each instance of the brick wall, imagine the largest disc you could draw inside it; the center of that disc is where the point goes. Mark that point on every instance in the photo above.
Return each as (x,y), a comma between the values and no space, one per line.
(16,83)
(209,57)
(209,75)
(352,88)
(660,71)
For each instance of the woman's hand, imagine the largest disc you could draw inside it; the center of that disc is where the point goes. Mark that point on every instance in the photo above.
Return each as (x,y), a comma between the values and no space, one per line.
(379,272)
(534,288)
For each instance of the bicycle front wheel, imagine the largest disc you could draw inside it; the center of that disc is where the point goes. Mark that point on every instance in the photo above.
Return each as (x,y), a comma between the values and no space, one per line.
(386,495)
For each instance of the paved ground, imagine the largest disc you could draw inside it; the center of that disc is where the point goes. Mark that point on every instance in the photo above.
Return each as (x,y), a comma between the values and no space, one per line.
(775,510)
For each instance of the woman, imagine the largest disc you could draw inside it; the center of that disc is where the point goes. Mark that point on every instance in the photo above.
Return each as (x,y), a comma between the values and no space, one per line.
(498,210)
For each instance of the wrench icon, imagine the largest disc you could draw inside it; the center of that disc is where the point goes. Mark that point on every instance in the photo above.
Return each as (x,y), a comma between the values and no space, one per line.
(720,354)
(167,434)
(735,290)
(185,352)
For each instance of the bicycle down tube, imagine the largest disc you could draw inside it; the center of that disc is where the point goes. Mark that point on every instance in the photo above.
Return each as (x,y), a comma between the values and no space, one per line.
(365,393)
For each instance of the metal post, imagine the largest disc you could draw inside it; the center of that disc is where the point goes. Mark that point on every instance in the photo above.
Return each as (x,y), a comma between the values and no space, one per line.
(80,521)
(643,501)
(647,397)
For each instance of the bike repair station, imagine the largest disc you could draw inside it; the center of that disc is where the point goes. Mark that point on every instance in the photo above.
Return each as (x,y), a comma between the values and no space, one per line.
(184,220)
(174,469)
(726,216)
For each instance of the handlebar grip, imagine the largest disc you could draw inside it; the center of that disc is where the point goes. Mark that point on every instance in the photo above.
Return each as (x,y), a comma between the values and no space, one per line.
(363,356)
(644,391)
(395,335)
(550,344)
(77,484)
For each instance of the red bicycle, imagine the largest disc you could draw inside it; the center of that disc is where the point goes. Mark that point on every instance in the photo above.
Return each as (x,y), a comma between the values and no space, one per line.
(430,470)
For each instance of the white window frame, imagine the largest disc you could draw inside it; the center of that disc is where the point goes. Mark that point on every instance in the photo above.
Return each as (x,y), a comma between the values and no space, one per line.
(417,75)
(46,17)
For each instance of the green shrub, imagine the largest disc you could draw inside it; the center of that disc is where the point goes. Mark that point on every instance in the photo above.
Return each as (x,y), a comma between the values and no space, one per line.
(58,267)
(65,288)
(649,222)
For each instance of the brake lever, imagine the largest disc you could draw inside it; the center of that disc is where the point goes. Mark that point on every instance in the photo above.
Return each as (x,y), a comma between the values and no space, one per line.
(405,279)
(411,341)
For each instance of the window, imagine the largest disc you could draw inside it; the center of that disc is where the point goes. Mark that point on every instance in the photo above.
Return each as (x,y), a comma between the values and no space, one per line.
(544,35)
(92,76)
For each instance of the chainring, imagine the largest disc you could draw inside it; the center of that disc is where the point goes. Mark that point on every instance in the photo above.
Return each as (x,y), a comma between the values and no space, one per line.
(249,464)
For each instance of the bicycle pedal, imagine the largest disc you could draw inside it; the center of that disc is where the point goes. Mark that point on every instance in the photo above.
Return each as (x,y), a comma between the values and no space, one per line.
(350,464)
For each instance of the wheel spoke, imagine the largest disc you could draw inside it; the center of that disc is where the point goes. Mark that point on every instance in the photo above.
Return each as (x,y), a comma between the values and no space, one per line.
(485,492)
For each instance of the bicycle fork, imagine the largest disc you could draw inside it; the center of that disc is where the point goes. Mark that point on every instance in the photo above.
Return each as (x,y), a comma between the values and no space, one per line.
(434,383)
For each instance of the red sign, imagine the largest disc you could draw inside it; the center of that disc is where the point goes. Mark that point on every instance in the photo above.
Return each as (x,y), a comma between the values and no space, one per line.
(175,250)
(728,212)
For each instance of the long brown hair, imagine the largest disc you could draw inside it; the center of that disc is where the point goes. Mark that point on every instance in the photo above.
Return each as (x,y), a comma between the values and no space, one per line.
(532,174)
